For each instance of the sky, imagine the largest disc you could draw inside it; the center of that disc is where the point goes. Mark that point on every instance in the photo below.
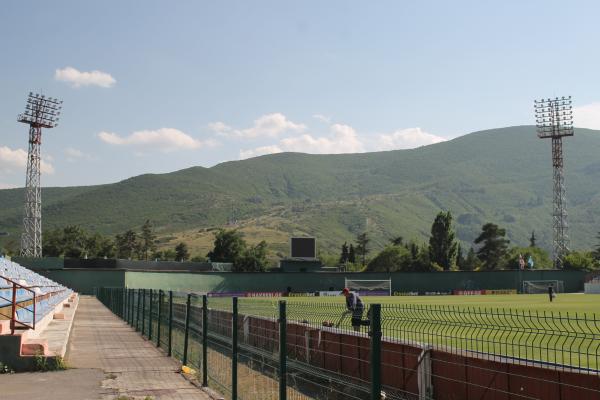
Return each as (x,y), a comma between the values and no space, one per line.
(158,86)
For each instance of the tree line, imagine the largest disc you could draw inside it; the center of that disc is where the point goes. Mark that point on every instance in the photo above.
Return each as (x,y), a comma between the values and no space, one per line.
(229,246)
(443,252)
(74,242)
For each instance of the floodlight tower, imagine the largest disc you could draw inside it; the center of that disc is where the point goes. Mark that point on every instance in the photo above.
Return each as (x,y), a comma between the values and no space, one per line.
(40,112)
(554,119)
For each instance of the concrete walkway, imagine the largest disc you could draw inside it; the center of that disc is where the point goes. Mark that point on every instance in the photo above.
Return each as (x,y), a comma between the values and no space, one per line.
(108,360)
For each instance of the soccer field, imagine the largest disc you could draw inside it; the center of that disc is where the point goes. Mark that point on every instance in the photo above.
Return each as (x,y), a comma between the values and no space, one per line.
(564,302)
(526,327)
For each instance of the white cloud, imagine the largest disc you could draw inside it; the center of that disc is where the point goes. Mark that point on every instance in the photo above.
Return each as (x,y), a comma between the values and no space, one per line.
(407,139)
(342,140)
(12,161)
(165,139)
(259,151)
(587,116)
(78,78)
(322,118)
(74,154)
(220,128)
(7,186)
(269,125)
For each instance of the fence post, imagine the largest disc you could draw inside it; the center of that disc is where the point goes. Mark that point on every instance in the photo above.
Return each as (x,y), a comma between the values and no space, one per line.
(204,340)
(131,305)
(170,323)
(137,310)
(160,301)
(234,348)
(282,351)
(150,316)
(375,351)
(143,311)
(124,304)
(187,328)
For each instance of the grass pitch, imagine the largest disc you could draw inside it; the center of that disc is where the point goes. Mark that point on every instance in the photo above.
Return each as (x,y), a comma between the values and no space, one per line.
(564,302)
(526,327)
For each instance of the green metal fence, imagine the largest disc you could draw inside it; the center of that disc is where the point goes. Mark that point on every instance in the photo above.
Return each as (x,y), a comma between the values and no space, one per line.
(250,348)
(239,357)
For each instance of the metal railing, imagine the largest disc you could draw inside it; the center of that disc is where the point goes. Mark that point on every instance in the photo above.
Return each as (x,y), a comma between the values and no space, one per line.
(22,299)
(249,348)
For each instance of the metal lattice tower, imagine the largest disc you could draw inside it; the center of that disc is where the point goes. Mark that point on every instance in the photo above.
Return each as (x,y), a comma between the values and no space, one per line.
(40,112)
(554,120)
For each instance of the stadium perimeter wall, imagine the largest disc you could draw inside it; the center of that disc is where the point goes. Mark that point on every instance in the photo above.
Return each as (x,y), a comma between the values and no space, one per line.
(308,282)
(84,280)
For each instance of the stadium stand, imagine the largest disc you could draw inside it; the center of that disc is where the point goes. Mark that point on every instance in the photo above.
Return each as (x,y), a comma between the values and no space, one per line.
(48,293)
(29,302)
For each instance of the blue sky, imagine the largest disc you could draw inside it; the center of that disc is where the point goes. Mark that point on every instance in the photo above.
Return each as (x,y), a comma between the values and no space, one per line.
(158,86)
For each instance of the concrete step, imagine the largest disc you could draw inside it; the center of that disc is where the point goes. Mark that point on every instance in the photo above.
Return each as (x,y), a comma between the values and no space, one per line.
(33,347)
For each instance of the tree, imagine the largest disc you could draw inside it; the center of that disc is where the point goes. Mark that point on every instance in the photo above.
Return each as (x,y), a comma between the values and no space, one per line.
(362,246)
(99,246)
(106,248)
(596,251)
(460,259)
(494,246)
(471,262)
(126,244)
(52,244)
(397,241)
(253,259)
(540,258)
(169,255)
(181,252)
(351,254)
(579,260)
(228,246)
(74,241)
(442,246)
(344,254)
(147,239)
(391,259)
(532,239)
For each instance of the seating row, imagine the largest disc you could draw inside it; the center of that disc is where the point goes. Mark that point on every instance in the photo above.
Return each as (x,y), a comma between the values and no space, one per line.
(48,293)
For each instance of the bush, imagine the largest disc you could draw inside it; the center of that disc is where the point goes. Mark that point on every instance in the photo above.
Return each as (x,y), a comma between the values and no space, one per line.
(580,260)
(541,259)
(390,259)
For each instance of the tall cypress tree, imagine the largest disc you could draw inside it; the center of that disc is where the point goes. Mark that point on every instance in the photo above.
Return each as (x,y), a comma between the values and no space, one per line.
(344,255)
(362,246)
(147,238)
(351,254)
(459,257)
(532,239)
(442,246)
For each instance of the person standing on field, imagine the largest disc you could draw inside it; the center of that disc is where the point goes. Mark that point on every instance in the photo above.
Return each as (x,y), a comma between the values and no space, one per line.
(354,305)
(551,293)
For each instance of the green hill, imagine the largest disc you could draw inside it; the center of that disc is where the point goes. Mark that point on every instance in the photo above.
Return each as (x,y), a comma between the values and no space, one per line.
(502,176)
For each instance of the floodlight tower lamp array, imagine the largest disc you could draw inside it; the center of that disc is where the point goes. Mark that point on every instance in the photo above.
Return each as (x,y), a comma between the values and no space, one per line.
(554,119)
(40,112)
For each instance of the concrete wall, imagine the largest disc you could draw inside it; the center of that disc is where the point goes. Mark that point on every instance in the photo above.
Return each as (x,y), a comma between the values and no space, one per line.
(301,282)
(44,263)
(85,280)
